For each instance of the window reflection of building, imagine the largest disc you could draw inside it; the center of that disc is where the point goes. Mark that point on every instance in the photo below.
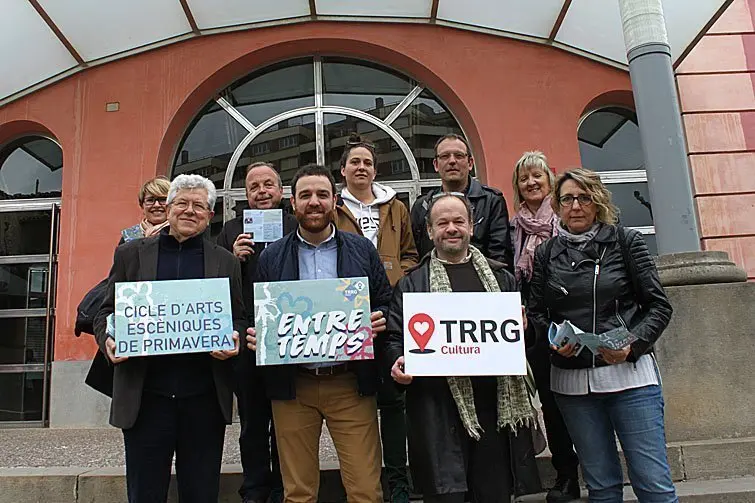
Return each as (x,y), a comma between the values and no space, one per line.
(279,115)
(609,143)
(30,190)
(30,168)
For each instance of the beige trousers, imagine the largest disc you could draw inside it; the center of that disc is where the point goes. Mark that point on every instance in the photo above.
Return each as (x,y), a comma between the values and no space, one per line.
(352,422)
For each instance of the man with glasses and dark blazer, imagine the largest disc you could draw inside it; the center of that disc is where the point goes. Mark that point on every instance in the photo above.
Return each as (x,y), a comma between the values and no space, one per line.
(180,403)
(453,162)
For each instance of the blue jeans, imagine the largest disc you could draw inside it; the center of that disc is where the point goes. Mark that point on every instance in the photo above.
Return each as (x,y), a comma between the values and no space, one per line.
(636,417)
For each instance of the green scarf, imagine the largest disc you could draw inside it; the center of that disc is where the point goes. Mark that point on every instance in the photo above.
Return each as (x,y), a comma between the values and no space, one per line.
(514,407)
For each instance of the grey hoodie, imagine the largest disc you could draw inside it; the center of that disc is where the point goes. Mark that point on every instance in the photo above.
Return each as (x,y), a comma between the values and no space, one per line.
(368,215)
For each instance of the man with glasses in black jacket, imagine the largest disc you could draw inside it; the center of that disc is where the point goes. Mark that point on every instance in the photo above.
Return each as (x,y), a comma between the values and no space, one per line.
(454,162)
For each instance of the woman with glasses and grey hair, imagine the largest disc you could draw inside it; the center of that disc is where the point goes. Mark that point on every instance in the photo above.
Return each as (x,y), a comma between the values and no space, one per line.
(534,223)
(152,198)
(601,278)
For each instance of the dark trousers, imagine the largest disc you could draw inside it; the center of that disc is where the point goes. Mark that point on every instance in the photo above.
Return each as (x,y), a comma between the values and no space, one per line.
(259,452)
(488,460)
(393,435)
(193,428)
(564,459)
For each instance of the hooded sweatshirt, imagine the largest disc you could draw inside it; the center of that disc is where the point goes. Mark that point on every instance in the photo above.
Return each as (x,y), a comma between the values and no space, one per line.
(368,215)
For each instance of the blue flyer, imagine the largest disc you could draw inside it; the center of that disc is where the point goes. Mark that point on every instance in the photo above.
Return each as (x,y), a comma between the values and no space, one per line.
(265,226)
(562,334)
(313,321)
(169,317)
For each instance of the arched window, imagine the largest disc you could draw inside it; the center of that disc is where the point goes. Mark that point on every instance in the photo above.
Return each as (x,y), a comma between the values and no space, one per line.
(30,167)
(609,143)
(303,111)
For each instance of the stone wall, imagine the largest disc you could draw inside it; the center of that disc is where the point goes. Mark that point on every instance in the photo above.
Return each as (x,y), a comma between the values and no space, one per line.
(706,360)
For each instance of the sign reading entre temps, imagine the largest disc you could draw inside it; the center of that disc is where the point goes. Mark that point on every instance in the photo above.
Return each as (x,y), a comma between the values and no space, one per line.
(313,321)
(177,316)
(463,334)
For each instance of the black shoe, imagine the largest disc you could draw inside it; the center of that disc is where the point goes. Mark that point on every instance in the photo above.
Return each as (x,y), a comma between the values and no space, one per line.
(400,496)
(563,491)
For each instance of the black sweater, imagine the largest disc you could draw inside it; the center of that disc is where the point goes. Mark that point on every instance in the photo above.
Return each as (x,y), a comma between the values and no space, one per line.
(180,375)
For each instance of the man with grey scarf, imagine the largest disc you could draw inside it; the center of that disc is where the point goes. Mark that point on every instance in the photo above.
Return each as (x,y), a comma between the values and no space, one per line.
(466,434)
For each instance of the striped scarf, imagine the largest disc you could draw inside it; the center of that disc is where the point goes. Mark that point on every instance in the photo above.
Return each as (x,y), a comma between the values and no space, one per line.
(514,407)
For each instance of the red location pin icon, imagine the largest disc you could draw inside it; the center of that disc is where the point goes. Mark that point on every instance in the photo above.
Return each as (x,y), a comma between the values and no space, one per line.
(421,328)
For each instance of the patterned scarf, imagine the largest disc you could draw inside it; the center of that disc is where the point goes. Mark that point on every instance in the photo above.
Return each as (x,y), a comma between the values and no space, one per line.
(150,230)
(531,229)
(514,408)
(579,241)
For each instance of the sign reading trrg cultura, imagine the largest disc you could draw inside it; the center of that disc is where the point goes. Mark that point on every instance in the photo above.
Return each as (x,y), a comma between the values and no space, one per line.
(313,321)
(168,317)
(463,334)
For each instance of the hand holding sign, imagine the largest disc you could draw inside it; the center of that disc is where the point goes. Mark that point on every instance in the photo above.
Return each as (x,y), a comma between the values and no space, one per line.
(110,348)
(251,339)
(224,354)
(397,372)
(378,321)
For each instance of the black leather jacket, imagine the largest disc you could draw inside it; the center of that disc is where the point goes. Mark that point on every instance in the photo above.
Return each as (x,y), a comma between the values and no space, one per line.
(594,290)
(491,223)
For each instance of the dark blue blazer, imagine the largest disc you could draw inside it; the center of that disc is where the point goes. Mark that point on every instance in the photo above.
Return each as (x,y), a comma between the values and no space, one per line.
(356,257)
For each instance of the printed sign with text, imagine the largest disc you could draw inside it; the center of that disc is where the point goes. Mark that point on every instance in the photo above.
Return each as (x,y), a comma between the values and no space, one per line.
(313,321)
(265,226)
(463,334)
(168,317)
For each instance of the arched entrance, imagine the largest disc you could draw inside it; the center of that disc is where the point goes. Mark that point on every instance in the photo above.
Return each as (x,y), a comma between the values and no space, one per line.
(30,190)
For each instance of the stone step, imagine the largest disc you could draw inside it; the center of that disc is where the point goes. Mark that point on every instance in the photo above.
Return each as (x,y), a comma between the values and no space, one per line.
(739,490)
(694,463)
(81,485)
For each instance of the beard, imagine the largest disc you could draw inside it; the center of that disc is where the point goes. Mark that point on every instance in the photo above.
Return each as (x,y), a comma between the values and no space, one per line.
(312,222)
(453,248)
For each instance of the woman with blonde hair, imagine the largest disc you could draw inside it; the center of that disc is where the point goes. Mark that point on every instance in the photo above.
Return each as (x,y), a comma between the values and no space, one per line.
(601,278)
(535,222)
(152,197)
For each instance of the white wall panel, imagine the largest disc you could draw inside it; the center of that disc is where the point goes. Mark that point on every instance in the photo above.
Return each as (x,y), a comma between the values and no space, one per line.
(29,51)
(378,8)
(99,28)
(219,13)
(527,17)
(595,26)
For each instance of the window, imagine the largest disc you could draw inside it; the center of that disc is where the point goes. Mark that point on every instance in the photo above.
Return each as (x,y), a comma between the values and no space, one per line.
(31,168)
(261,148)
(303,111)
(288,142)
(609,143)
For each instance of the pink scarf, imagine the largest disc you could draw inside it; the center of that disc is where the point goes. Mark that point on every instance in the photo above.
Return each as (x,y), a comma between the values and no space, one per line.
(531,230)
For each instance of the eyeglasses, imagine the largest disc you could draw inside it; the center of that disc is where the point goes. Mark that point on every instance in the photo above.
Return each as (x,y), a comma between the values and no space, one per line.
(460,195)
(582,199)
(151,201)
(459,156)
(184,205)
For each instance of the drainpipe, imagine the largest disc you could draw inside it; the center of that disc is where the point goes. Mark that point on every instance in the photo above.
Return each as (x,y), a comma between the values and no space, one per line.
(680,260)
(660,122)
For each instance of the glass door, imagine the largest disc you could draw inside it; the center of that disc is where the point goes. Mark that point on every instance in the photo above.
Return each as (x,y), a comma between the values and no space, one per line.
(28,263)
